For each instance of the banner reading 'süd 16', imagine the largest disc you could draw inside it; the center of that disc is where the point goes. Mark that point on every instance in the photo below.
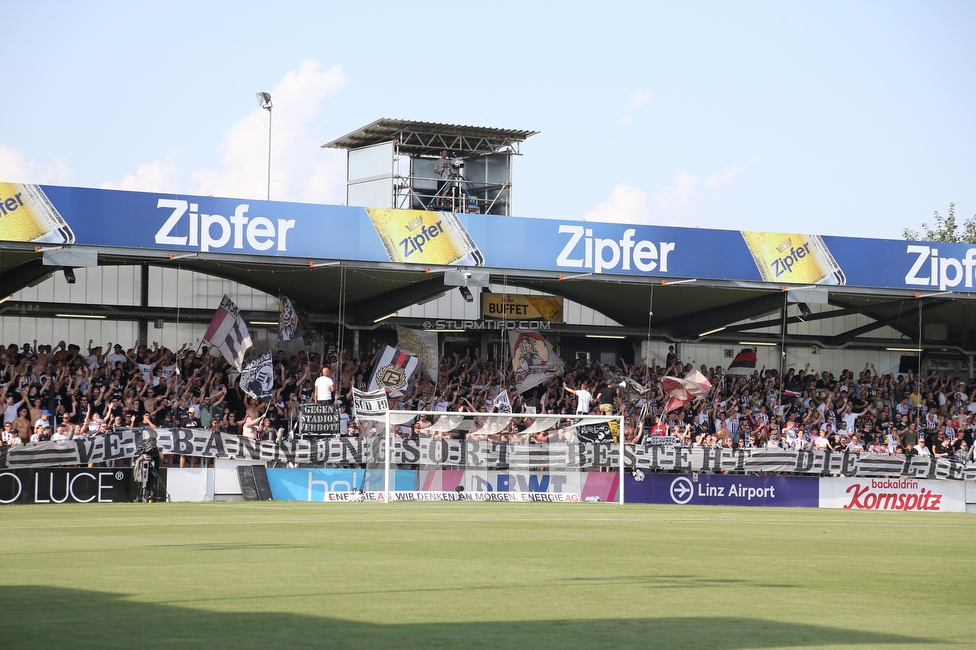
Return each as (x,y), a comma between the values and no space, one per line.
(140,220)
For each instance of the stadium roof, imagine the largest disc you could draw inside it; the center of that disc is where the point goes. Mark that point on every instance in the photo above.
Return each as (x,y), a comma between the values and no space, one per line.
(430,138)
(364,293)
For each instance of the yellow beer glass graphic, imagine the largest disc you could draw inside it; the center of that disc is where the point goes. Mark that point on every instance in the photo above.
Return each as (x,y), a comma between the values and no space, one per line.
(425,237)
(800,259)
(27,215)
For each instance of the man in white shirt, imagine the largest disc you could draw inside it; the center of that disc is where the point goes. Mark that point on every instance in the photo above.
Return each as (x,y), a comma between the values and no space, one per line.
(11,407)
(118,355)
(95,357)
(322,391)
(583,398)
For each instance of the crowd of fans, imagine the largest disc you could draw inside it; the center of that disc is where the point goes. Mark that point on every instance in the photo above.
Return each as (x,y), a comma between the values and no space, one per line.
(52,393)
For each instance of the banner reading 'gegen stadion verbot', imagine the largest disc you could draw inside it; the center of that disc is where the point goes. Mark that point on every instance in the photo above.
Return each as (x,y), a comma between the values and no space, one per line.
(66,215)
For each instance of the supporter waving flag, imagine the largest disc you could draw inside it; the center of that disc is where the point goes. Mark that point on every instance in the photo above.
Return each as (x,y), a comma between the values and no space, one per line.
(423,345)
(501,402)
(744,363)
(257,379)
(682,391)
(228,333)
(292,323)
(533,360)
(393,371)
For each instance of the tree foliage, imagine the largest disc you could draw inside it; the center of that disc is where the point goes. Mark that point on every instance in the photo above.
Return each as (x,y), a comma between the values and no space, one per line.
(945,229)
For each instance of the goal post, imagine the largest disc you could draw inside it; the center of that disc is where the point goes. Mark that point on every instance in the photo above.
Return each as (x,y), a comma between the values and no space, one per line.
(456,456)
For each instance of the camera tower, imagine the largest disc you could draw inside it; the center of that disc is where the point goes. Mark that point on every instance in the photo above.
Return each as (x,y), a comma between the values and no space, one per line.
(390,164)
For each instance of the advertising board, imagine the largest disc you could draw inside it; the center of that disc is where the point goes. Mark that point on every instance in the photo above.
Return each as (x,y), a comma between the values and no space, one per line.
(204,224)
(907,495)
(67,485)
(721,490)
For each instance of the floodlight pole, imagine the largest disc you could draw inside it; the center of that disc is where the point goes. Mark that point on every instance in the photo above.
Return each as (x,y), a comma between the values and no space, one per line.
(264,101)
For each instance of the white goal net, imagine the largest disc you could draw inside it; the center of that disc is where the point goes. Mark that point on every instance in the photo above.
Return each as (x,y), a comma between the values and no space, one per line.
(452,456)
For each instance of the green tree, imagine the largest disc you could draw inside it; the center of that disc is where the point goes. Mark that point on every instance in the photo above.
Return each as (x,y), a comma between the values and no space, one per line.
(945,229)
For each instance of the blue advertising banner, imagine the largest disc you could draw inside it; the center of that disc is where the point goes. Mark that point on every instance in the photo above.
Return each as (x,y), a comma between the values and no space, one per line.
(722,490)
(201,224)
(289,484)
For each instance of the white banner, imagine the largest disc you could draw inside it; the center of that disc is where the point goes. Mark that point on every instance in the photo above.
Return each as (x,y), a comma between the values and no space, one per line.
(430,453)
(371,405)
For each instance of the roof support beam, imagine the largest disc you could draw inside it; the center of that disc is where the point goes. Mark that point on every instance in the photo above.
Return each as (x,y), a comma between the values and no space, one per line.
(850,335)
(692,325)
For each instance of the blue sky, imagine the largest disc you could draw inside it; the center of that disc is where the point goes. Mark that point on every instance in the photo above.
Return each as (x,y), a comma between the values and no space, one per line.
(840,118)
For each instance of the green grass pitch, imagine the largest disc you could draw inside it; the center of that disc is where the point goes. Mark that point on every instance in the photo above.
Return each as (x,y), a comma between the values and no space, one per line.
(483,575)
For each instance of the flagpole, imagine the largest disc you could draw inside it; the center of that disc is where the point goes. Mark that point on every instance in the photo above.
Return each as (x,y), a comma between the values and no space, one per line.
(621,492)
(386,460)
(782,359)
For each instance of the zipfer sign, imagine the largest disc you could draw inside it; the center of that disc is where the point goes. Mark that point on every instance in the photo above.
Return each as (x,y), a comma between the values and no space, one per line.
(235,226)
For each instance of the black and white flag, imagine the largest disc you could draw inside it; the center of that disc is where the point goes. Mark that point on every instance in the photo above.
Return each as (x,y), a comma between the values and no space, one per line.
(228,333)
(393,371)
(501,402)
(292,323)
(257,379)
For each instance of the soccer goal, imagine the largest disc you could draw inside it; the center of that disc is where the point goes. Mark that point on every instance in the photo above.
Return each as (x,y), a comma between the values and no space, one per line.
(454,456)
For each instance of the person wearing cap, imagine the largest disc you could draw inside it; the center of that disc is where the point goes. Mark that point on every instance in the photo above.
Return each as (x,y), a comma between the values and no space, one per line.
(117,356)
(61,434)
(45,419)
(42,430)
(191,421)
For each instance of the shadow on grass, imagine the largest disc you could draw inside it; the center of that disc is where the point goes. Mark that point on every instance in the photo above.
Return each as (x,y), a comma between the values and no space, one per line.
(669,582)
(206,547)
(41,617)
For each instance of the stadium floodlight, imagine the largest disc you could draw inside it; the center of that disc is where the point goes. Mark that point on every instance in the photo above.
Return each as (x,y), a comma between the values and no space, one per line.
(264,101)
(805,312)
